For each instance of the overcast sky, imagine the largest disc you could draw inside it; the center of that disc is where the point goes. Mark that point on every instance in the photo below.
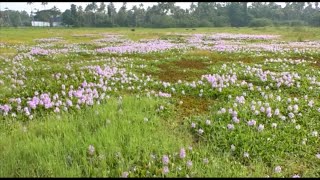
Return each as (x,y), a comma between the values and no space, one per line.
(20,6)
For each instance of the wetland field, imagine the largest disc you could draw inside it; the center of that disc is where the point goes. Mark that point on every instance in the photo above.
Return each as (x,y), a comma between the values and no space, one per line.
(202,102)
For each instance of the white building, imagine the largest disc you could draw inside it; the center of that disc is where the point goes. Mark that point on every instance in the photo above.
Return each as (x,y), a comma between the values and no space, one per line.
(44,24)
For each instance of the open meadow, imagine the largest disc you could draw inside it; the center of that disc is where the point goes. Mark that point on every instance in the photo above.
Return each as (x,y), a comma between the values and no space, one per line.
(117,102)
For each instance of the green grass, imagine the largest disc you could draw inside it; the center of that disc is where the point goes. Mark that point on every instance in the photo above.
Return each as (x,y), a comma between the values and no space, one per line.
(27,35)
(43,149)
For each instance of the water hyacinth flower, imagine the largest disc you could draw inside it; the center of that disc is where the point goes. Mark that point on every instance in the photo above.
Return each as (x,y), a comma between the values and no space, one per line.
(125,174)
(182,153)
(277,169)
(193,125)
(189,163)
(164,94)
(268,110)
(260,127)
(291,115)
(296,176)
(256,112)
(235,119)
(165,159)
(165,170)
(252,123)
(230,126)
(269,115)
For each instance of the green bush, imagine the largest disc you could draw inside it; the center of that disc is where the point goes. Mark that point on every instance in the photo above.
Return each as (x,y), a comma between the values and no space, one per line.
(260,22)
(221,21)
(205,23)
(296,23)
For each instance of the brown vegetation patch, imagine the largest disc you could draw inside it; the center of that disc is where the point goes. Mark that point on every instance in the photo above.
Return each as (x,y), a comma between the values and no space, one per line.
(193,106)
(171,73)
(317,64)
(190,64)
(199,53)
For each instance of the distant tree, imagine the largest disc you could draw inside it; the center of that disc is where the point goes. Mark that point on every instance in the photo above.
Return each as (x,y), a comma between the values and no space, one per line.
(67,18)
(102,8)
(111,12)
(121,17)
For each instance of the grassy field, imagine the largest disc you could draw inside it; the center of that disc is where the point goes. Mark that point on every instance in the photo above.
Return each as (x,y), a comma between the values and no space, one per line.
(203,102)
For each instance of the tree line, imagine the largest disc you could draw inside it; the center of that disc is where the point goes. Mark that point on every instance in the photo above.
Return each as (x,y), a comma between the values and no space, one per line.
(167,14)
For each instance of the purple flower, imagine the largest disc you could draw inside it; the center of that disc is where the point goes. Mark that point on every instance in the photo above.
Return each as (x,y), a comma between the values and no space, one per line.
(230,126)
(252,122)
(235,119)
(269,115)
(296,176)
(260,127)
(165,159)
(193,125)
(291,115)
(164,94)
(182,153)
(165,170)
(268,110)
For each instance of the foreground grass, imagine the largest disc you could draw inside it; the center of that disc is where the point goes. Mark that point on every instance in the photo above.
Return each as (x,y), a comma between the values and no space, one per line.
(57,145)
